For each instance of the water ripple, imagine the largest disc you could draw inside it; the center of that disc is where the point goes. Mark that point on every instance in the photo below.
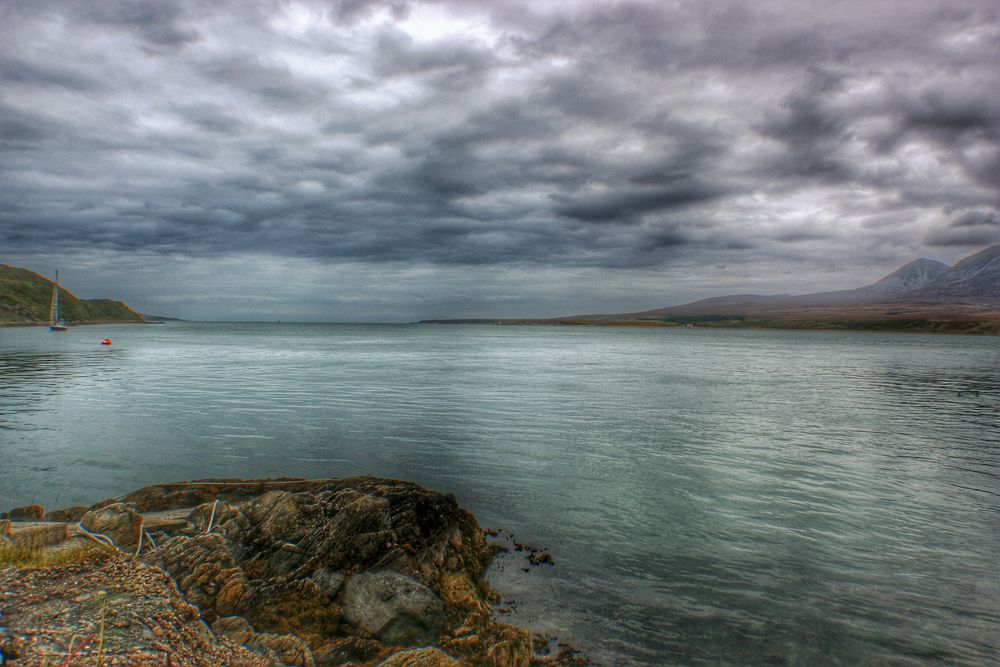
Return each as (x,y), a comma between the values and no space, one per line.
(710,497)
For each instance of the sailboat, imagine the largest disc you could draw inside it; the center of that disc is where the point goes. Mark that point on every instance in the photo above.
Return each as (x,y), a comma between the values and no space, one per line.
(55,322)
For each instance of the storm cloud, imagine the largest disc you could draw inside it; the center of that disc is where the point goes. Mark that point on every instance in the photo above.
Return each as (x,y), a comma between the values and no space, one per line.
(562,156)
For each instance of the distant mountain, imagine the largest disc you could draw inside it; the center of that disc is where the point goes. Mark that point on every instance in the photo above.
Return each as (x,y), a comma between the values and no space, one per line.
(975,277)
(923,292)
(907,278)
(25,297)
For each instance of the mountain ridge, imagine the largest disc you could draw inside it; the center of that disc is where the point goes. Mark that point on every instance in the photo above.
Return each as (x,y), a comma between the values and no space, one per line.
(923,295)
(922,288)
(921,280)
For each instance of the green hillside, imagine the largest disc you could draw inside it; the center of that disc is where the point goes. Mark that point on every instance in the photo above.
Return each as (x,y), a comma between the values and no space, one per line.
(25,297)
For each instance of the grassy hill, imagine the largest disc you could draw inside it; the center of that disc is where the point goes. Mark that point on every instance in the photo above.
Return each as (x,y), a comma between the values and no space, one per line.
(25,297)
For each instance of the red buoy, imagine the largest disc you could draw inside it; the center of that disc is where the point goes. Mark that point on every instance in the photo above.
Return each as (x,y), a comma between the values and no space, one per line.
(106,341)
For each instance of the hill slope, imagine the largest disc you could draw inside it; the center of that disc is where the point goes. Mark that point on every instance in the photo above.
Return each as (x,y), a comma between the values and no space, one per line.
(25,297)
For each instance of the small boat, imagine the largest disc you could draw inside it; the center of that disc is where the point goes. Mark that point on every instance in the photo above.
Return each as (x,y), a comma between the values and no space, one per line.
(56,323)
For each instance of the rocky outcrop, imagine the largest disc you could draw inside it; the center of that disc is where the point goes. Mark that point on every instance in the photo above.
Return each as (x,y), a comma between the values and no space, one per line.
(354,568)
(361,571)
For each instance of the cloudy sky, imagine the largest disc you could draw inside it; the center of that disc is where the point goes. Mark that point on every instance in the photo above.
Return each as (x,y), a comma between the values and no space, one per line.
(345,160)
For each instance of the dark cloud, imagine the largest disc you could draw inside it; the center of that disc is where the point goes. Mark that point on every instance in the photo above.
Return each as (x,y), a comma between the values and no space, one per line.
(969,228)
(160,23)
(635,137)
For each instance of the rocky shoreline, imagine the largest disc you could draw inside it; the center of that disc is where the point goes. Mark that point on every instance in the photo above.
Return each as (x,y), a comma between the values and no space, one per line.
(354,571)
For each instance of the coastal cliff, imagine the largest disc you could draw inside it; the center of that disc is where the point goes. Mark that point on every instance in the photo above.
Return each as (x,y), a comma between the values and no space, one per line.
(361,571)
(25,297)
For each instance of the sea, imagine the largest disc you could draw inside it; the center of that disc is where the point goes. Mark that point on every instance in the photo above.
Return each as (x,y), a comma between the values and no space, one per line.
(709,497)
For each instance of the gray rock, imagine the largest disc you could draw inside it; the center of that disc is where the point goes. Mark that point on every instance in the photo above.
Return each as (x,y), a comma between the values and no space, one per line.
(395,608)
(328,581)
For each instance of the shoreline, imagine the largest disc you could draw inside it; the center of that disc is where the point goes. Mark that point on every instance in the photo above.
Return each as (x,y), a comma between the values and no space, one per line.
(72,325)
(989,327)
(358,570)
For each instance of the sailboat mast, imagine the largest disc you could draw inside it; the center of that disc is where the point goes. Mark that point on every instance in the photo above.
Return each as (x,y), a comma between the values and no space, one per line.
(54,310)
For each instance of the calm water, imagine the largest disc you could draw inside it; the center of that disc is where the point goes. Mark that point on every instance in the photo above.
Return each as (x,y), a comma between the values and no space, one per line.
(709,497)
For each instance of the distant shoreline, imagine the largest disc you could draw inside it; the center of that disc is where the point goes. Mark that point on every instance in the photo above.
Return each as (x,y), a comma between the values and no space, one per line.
(71,324)
(984,327)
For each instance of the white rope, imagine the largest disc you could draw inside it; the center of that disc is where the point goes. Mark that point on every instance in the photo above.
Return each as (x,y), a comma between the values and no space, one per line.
(98,537)
(211,519)
(138,547)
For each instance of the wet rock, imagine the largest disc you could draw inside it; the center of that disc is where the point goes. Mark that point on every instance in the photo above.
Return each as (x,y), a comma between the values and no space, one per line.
(349,650)
(484,641)
(27,513)
(116,521)
(393,607)
(421,657)
(539,558)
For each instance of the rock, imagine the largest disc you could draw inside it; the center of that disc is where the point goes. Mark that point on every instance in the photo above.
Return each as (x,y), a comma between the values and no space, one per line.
(279,552)
(421,657)
(116,521)
(234,628)
(287,648)
(276,514)
(395,608)
(205,572)
(203,514)
(349,650)
(290,649)
(70,514)
(197,492)
(329,582)
(457,589)
(282,606)
(37,534)
(27,513)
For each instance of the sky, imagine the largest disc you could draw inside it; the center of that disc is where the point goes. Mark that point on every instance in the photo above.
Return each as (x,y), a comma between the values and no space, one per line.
(398,160)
